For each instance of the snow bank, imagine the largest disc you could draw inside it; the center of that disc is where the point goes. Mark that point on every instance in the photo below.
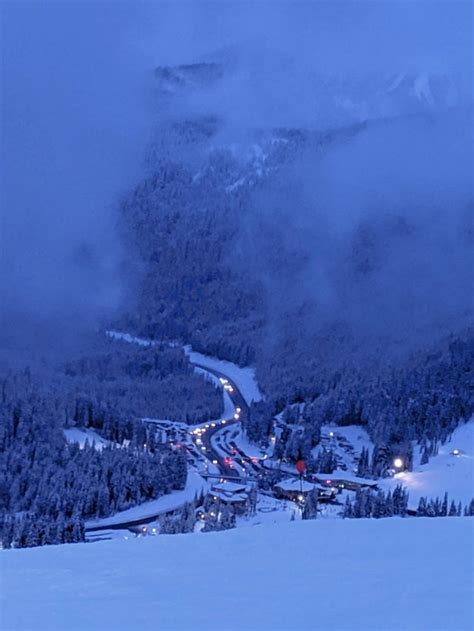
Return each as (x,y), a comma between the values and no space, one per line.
(164,504)
(444,472)
(250,449)
(244,378)
(229,408)
(410,574)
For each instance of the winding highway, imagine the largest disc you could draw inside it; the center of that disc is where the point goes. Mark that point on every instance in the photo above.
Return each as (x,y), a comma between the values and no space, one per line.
(241,411)
(226,468)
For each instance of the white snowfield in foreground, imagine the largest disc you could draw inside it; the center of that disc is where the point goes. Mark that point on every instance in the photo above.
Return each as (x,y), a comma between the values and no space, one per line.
(413,574)
(444,472)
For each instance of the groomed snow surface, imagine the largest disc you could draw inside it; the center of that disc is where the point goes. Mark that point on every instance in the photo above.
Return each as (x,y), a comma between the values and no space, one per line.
(404,574)
(444,472)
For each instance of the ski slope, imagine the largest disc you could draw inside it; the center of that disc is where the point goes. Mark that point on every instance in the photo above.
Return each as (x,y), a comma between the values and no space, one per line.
(444,472)
(341,575)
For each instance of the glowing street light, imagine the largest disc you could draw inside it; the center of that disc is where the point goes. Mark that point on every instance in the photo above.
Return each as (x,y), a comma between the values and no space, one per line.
(456,452)
(398,463)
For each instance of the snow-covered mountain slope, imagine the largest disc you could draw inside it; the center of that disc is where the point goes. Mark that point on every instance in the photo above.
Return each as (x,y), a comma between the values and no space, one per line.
(410,574)
(348,97)
(451,471)
(338,105)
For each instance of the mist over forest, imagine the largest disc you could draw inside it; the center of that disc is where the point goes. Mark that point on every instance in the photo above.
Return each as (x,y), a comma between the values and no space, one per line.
(366,234)
(286,186)
(396,196)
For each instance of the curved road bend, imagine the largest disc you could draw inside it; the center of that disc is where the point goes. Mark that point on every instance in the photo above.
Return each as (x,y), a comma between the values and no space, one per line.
(238,401)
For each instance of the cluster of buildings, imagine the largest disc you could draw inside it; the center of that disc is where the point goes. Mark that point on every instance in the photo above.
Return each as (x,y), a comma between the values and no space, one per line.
(297,489)
(234,494)
(327,487)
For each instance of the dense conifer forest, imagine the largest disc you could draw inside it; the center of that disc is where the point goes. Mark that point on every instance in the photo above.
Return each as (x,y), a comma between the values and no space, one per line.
(193,225)
(49,487)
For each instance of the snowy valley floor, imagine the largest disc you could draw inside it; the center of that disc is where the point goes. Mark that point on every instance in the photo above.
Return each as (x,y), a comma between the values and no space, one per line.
(404,574)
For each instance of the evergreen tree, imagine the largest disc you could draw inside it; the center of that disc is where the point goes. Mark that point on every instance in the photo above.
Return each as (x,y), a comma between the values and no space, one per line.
(452,509)
(348,511)
(310,508)
(422,507)
(425,458)
(444,506)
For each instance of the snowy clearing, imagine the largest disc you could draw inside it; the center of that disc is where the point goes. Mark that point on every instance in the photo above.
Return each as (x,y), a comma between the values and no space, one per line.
(444,472)
(81,436)
(385,575)
(244,378)
(356,435)
(164,504)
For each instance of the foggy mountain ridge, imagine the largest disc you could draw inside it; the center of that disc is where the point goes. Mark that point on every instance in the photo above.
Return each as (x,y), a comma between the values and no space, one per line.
(301,244)
(195,129)
(356,97)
